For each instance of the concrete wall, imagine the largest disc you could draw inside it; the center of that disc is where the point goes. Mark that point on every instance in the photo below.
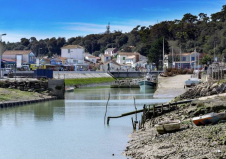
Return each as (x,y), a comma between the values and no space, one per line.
(131,74)
(58,87)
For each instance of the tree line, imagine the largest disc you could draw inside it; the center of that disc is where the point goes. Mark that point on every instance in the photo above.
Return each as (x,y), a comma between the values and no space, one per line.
(198,32)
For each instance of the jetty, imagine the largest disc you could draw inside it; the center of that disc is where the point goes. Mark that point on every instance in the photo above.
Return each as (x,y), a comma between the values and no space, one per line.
(153,109)
(126,83)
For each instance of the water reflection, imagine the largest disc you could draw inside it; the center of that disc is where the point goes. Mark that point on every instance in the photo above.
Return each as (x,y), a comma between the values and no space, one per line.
(115,94)
(39,112)
(73,128)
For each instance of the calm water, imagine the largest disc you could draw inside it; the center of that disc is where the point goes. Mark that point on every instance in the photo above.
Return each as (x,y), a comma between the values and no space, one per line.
(72,128)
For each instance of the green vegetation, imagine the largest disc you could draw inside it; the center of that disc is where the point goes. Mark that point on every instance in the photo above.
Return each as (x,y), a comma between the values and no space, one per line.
(14,94)
(83,81)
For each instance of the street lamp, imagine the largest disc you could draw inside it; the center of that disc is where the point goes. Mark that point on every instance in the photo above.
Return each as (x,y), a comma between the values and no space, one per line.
(1,49)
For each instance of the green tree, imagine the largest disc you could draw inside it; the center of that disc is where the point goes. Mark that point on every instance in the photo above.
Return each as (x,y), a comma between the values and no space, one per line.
(156,52)
(206,59)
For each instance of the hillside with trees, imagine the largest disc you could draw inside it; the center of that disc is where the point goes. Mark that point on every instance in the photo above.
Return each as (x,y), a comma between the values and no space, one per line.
(192,31)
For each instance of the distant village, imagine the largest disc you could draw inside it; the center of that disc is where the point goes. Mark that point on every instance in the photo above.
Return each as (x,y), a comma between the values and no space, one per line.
(74,58)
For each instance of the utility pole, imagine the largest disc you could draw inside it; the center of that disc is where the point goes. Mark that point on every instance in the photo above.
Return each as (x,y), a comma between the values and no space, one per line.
(214,51)
(180,56)
(172,58)
(1,49)
(195,60)
(163,56)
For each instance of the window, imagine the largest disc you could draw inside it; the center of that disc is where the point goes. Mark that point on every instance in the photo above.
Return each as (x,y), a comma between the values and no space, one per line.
(124,58)
(193,58)
(69,51)
(184,58)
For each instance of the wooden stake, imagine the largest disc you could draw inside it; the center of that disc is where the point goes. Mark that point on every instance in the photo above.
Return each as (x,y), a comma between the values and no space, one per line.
(106,108)
(153,110)
(135,109)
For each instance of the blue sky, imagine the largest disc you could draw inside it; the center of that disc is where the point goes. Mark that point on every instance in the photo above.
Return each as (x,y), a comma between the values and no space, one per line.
(70,18)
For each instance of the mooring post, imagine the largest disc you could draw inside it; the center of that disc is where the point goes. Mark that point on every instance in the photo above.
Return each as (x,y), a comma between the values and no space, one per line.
(153,110)
(133,123)
(106,108)
(162,109)
(108,120)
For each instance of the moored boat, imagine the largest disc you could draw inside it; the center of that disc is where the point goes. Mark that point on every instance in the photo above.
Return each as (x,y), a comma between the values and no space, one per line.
(148,83)
(69,89)
(210,118)
(167,126)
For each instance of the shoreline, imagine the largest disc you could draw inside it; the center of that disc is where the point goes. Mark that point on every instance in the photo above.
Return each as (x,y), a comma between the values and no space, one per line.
(13,97)
(191,141)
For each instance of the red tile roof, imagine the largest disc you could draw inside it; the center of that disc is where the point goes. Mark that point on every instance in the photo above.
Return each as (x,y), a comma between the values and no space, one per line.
(16,52)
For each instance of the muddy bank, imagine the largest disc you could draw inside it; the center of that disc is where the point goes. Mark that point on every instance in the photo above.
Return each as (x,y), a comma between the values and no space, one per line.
(194,142)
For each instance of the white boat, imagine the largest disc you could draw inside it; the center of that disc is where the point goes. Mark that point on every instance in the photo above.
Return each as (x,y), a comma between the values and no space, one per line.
(69,89)
(193,81)
(148,83)
(167,126)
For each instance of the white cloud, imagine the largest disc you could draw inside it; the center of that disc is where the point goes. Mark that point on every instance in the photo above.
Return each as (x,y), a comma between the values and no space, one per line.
(73,29)
(91,28)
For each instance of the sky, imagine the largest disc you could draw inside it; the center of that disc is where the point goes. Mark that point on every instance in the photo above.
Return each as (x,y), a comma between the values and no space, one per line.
(70,18)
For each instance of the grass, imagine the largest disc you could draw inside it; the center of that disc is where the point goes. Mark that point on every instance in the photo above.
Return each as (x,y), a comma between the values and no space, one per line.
(14,94)
(84,81)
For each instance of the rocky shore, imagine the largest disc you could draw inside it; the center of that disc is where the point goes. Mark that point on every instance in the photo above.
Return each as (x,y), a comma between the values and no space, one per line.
(191,141)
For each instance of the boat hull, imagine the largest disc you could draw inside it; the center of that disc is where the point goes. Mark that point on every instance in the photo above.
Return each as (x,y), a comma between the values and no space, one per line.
(210,118)
(167,127)
(147,84)
(69,89)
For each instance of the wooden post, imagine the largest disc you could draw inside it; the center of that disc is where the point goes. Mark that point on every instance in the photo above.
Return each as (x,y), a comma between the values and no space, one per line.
(108,120)
(134,128)
(153,110)
(162,109)
(135,109)
(106,108)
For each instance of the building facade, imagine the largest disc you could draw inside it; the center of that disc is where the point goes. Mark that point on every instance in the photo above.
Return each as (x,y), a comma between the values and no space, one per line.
(73,52)
(28,57)
(110,51)
(122,56)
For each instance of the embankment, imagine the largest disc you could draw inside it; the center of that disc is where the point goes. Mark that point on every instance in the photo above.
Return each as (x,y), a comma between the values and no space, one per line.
(79,74)
(170,87)
(78,82)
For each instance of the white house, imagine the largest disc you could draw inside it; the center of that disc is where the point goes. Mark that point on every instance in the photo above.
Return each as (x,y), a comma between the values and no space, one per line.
(105,58)
(110,51)
(28,56)
(112,65)
(73,52)
(186,60)
(130,60)
(131,57)
(91,58)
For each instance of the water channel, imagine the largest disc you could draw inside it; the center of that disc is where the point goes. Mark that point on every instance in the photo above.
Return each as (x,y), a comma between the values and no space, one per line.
(72,128)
